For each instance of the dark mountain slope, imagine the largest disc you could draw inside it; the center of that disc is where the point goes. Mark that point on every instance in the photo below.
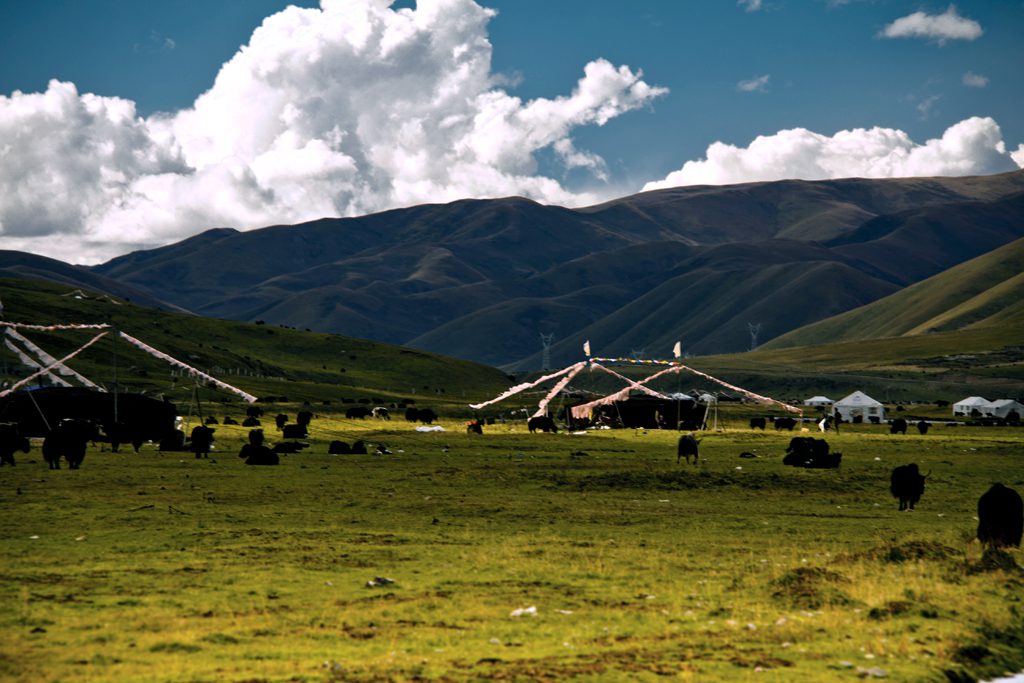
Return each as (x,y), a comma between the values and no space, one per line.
(17,264)
(482,278)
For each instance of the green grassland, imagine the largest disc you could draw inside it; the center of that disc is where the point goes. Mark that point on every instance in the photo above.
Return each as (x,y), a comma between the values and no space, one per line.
(160,567)
(261,359)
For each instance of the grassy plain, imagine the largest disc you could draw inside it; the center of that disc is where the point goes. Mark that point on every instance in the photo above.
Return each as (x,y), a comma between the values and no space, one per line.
(160,567)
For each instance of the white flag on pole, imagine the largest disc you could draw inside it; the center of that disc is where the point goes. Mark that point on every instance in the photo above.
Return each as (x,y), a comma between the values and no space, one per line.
(677,350)
(586,348)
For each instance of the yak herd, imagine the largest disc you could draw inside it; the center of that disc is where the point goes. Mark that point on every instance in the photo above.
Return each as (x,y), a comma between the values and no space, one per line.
(1000,509)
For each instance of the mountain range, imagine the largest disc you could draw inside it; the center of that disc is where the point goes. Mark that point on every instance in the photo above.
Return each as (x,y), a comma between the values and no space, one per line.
(483,279)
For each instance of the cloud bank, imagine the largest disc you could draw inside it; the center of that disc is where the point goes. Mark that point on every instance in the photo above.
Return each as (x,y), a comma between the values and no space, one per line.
(940,27)
(343,110)
(972,147)
(759,84)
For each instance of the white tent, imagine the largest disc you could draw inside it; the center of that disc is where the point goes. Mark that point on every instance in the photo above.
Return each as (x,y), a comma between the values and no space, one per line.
(967,406)
(1004,406)
(859,404)
(819,402)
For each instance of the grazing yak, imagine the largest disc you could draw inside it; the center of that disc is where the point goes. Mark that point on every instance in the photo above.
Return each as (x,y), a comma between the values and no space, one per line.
(251,422)
(358,413)
(254,411)
(175,441)
(1000,517)
(381,413)
(303,417)
(784,423)
(69,440)
(255,453)
(210,420)
(359,448)
(907,484)
(295,431)
(543,423)
(280,420)
(228,420)
(201,441)
(758,423)
(118,433)
(922,427)
(687,448)
(898,426)
(806,451)
(11,440)
(475,427)
(338,448)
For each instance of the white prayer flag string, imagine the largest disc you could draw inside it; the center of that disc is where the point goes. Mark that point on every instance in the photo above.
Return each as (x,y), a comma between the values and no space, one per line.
(47,358)
(527,385)
(758,397)
(63,360)
(543,405)
(582,411)
(186,367)
(51,328)
(32,363)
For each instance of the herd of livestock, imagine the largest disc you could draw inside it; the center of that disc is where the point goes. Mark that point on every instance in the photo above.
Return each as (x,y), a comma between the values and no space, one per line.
(76,419)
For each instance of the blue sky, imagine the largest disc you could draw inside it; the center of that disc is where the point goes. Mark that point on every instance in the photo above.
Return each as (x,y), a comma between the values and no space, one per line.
(733,71)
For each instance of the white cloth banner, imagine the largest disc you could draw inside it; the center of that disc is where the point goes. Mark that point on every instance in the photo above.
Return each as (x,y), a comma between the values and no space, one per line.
(50,328)
(751,394)
(583,411)
(63,360)
(31,362)
(186,367)
(48,359)
(527,385)
(542,407)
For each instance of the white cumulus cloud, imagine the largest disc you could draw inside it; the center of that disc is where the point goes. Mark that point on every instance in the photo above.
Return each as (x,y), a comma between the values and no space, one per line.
(973,146)
(939,27)
(751,5)
(973,80)
(759,84)
(350,108)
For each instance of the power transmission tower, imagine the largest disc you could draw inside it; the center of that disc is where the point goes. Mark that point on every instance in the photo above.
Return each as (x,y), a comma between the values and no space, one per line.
(637,355)
(755,329)
(545,359)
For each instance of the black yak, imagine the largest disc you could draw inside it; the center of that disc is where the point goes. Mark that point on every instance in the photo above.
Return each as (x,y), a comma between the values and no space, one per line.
(381,413)
(69,439)
(255,453)
(338,448)
(251,422)
(806,451)
(201,441)
(228,420)
(923,426)
(543,423)
(784,423)
(358,413)
(11,440)
(898,426)
(687,448)
(907,484)
(475,427)
(254,411)
(427,416)
(280,420)
(303,417)
(359,448)
(295,431)
(1000,517)
(758,423)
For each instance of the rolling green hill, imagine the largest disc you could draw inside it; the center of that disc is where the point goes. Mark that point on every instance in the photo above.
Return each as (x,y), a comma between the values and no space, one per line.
(985,292)
(261,359)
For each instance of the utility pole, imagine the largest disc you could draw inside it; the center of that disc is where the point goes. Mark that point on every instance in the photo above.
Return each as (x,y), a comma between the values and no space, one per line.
(755,329)
(545,359)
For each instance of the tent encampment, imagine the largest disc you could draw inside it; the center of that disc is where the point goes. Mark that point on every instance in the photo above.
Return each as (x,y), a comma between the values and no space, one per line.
(819,402)
(859,404)
(973,406)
